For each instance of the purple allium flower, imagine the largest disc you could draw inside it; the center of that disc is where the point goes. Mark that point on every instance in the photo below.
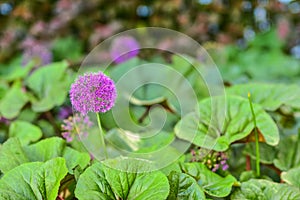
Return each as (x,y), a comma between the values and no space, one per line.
(123,48)
(74,126)
(93,92)
(38,52)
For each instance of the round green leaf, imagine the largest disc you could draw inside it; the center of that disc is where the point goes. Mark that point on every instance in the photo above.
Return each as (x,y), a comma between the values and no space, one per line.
(34,180)
(101,182)
(50,85)
(13,101)
(25,131)
(223,121)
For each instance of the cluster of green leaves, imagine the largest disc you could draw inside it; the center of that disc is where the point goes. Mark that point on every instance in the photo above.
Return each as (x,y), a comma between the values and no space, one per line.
(43,169)
(39,88)
(27,93)
(36,166)
(262,60)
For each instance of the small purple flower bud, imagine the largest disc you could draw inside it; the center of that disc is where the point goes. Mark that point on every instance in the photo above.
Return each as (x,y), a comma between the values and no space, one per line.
(123,48)
(223,162)
(216,167)
(93,92)
(67,136)
(225,167)
(64,112)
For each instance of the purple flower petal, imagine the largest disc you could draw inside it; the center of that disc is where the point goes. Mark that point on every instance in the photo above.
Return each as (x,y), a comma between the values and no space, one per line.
(225,167)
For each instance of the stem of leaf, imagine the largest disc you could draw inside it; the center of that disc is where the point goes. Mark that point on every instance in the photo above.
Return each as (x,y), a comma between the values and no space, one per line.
(256,138)
(101,135)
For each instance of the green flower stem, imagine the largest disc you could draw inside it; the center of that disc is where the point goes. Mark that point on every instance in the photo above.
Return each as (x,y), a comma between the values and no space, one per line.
(256,138)
(102,135)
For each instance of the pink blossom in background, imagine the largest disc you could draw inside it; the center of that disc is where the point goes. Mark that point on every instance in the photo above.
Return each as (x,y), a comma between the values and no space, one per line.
(124,48)
(36,51)
(283,28)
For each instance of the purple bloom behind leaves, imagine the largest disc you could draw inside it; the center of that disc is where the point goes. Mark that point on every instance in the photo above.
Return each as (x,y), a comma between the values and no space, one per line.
(123,48)
(37,52)
(93,92)
(64,112)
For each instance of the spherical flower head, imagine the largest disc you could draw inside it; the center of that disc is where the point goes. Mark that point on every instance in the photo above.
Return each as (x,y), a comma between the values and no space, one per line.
(93,92)
(123,48)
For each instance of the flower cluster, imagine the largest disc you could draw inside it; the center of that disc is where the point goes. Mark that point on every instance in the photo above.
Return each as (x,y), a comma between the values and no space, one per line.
(212,159)
(93,92)
(74,126)
(123,48)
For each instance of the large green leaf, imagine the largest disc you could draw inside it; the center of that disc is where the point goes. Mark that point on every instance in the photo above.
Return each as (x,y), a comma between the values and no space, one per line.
(11,155)
(13,101)
(269,96)
(212,183)
(50,85)
(56,147)
(223,121)
(292,176)
(75,158)
(92,184)
(183,186)
(45,149)
(25,131)
(264,190)
(102,182)
(34,180)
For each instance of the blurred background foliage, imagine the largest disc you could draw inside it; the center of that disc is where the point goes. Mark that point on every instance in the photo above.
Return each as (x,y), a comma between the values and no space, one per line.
(23,23)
